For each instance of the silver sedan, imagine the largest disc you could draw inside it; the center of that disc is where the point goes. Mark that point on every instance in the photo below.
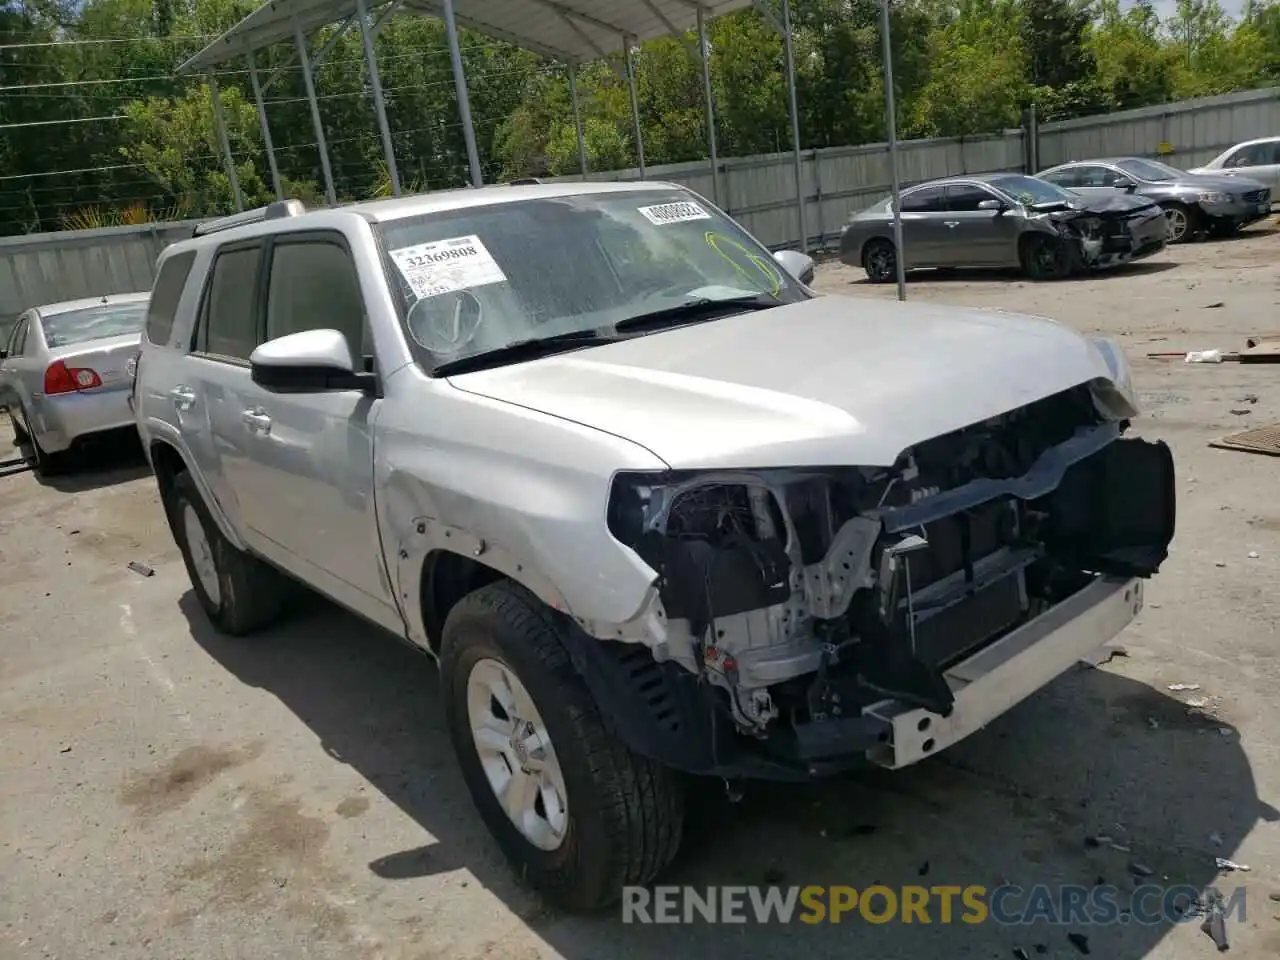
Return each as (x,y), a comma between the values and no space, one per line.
(64,373)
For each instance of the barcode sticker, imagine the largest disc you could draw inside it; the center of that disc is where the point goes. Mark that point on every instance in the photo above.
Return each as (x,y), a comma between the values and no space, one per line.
(443,266)
(664,213)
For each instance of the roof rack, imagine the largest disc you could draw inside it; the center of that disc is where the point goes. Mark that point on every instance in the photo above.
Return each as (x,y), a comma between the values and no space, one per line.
(272,211)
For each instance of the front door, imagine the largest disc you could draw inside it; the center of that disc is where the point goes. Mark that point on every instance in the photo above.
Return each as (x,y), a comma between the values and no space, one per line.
(975,237)
(310,455)
(1257,161)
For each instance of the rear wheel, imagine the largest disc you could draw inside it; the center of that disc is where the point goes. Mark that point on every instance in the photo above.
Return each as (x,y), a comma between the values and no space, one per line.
(1046,258)
(42,462)
(239,593)
(880,261)
(577,814)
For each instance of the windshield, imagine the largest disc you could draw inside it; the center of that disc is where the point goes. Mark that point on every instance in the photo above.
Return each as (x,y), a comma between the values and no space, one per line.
(94,323)
(1031,191)
(477,279)
(1150,170)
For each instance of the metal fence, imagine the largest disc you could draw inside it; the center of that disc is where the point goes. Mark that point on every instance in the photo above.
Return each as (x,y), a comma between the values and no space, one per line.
(48,267)
(759,191)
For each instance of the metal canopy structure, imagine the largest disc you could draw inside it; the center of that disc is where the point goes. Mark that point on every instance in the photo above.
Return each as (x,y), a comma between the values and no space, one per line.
(571,31)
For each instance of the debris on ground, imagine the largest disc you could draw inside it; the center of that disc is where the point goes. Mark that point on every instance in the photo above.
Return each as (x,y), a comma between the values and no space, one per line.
(924,868)
(1079,941)
(1248,398)
(1219,563)
(1198,702)
(1240,411)
(1153,723)
(1140,869)
(1253,554)
(1021,954)
(1229,865)
(1121,848)
(1175,687)
(141,568)
(1274,896)
(1204,356)
(1263,439)
(1213,306)
(1105,654)
(1215,839)
(1214,925)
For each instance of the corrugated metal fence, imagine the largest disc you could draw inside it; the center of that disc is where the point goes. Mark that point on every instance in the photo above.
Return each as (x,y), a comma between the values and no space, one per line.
(759,191)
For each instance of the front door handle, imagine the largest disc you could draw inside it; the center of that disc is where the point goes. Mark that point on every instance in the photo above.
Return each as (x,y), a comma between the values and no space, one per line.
(184,398)
(257,419)
(952,223)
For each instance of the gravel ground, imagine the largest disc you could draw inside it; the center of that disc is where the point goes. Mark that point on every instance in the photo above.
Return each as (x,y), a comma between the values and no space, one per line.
(167,793)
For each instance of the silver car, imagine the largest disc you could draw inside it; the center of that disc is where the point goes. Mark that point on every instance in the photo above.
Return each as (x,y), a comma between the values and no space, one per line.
(1195,204)
(1256,159)
(64,373)
(654,505)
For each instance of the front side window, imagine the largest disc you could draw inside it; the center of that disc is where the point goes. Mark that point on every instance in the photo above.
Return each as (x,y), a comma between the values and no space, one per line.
(1150,170)
(965,197)
(94,323)
(230,325)
(313,285)
(478,279)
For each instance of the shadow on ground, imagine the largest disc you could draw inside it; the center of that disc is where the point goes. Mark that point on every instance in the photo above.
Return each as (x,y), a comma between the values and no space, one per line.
(978,274)
(106,461)
(1093,753)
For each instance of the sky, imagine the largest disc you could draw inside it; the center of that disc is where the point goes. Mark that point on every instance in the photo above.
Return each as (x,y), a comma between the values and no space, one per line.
(1165,8)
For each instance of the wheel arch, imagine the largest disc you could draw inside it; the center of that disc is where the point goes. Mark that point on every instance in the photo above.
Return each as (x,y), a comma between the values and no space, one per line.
(167,461)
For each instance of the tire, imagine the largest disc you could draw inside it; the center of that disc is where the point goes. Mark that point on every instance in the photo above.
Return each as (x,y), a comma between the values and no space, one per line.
(42,463)
(880,261)
(1183,222)
(621,816)
(1046,258)
(244,593)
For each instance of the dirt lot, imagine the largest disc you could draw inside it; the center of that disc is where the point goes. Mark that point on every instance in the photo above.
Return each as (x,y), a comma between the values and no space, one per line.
(165,793)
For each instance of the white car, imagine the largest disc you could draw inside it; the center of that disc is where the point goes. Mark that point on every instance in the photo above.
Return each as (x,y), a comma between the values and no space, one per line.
(1256,159)
(656,506)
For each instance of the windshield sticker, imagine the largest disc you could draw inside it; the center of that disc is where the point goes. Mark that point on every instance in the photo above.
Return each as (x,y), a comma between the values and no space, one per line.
(678,212)
(443,266)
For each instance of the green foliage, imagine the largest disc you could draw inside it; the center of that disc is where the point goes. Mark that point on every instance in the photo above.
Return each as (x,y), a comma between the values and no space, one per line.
(143,144)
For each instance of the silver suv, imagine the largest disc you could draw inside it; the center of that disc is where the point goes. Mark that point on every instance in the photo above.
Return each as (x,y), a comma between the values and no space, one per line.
(659,510)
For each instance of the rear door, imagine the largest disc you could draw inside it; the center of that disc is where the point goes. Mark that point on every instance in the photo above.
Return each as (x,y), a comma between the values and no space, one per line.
(975,237)
(922,230)
(215,388)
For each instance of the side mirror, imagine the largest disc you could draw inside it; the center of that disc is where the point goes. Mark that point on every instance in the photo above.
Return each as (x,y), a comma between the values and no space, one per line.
(799,265)
(312,361)
(1126,185)
(991,205)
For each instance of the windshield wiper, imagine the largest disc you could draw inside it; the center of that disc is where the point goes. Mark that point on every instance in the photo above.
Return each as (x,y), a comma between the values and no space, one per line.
(702,308)
(520,350)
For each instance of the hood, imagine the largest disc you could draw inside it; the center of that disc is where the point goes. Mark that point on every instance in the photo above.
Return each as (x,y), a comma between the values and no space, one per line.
(832,380)
(1117,202)
(1215,181)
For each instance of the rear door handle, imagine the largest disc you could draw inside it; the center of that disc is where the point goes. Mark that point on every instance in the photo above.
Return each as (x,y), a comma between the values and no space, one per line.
(952,223)
(184,398)
(257,419)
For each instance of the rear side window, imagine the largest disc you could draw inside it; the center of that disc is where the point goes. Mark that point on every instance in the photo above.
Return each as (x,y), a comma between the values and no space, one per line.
(313,285)
(165,295)
(230,327)
(18,338)
(924,200)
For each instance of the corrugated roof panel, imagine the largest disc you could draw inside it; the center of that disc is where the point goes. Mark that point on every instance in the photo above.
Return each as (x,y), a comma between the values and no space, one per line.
(571,30)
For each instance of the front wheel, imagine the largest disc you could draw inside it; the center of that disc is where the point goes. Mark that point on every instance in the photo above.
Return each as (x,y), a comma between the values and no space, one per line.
(880,261)
(1046,258)
(577,814)
(1181,222)
(239,593)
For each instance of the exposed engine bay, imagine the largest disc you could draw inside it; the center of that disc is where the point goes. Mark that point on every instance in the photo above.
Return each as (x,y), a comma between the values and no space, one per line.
(1107,235)
(802,596)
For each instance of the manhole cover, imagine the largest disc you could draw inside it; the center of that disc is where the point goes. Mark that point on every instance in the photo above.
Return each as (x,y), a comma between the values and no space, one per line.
(1258,440)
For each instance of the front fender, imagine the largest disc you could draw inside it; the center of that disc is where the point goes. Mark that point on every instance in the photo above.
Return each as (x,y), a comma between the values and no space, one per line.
(159,432)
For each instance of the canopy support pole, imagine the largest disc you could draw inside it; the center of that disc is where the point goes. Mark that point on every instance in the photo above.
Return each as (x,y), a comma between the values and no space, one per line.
(789,53)
(266,128)
(577,118)
(460,85)
(308,81)
(635,106)
(220,126)
(704,51)
(891,128)
(379,106)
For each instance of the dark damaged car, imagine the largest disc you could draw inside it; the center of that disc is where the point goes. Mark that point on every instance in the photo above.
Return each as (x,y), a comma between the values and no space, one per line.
(1004,220)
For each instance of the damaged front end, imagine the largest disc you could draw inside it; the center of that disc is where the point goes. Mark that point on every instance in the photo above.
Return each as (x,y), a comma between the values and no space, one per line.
(1108,234)
(805,615)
